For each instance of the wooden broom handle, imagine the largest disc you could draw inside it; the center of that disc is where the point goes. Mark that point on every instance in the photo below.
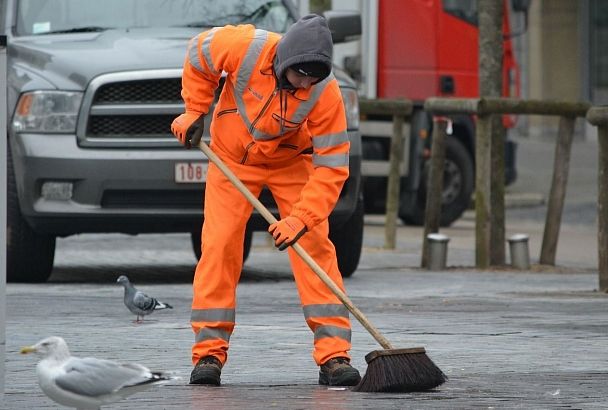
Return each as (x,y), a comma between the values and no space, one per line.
(269,217)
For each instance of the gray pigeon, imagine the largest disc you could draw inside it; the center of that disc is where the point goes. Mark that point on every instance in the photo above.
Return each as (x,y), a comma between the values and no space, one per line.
(138,302)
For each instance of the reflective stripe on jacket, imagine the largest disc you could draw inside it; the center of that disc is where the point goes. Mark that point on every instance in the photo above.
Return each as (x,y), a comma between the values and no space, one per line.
(257,123)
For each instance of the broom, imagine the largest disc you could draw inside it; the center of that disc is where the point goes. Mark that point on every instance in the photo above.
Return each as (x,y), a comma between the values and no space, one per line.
(388,370)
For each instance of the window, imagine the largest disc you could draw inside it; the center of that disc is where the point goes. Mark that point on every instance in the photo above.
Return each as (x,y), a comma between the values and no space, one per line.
(463,9)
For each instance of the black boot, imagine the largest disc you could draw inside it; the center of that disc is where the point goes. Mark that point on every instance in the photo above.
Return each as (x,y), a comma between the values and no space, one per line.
(338,372)
(207,371)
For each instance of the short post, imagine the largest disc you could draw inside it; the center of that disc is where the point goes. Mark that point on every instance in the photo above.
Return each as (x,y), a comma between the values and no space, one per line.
(483,191)
(598,116)
(497,192)
(602,206)
(520,255)
(3,217)
(432,214)
(438,251)
(401,111)
(561,167)
(393,183)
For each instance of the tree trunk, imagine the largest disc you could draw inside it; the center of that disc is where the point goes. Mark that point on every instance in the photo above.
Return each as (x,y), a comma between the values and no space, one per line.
(490,85)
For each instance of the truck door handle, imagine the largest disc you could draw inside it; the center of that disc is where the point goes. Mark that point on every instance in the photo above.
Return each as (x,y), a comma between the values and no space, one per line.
(446,84)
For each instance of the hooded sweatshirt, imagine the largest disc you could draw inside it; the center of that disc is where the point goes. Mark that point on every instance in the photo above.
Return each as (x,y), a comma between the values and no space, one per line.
(259,120)
(307,41)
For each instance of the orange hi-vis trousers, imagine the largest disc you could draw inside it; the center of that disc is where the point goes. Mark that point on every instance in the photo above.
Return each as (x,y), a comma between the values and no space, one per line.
(218,271)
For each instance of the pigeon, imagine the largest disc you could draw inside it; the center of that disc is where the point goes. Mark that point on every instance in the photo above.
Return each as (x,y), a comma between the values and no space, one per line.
(87,382)
(138,302)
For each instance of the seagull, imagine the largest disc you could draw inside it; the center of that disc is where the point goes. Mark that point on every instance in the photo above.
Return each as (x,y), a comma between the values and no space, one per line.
(138,302)
(87,383)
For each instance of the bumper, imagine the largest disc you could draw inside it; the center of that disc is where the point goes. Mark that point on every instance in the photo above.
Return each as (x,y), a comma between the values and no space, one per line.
(130,190)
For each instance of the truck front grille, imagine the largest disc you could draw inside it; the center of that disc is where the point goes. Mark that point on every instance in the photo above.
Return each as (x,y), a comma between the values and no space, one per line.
(131,109)
(158,126)
(157,91)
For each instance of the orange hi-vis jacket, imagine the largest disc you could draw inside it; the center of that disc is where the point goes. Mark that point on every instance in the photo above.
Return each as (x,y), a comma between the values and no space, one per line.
(258,122)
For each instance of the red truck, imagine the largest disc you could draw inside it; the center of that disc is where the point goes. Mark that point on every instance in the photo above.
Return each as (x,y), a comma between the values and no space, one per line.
(417,49)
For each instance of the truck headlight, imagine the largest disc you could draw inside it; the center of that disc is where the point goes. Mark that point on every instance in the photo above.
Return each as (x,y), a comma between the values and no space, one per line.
(47,111)
(351,106)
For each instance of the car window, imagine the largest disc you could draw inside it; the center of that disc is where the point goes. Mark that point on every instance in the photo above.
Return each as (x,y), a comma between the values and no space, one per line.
(40,17)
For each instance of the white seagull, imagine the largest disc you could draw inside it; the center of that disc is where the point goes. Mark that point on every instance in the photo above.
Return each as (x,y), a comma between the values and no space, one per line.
(87,383)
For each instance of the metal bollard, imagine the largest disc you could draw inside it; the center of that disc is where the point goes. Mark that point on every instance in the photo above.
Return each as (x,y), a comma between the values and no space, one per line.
(518,246)
(438,251)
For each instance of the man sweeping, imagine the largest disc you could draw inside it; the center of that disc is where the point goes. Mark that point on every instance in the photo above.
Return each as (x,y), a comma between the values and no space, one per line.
(279,123)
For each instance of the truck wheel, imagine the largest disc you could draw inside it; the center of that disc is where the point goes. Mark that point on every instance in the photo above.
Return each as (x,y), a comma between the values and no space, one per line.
(458,185)
(196,244)
(29,255)
(348,241)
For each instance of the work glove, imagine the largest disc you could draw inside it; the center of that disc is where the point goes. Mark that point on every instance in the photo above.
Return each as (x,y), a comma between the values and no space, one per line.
(185,126)
(287,231)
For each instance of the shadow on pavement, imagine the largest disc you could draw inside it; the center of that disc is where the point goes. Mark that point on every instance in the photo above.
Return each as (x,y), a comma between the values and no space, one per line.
(150,274)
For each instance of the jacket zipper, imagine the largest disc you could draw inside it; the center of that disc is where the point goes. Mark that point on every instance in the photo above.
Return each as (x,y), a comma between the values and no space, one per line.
(252,143)
(264,108)
(247,152)
(290,146)
(228,111)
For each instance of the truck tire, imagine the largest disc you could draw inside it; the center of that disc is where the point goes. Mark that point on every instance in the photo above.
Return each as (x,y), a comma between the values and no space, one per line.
(348,241)
(458,185)
(196,244)
(30,255)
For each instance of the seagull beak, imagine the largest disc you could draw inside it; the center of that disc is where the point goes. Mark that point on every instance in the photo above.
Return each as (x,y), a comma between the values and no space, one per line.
(27,349)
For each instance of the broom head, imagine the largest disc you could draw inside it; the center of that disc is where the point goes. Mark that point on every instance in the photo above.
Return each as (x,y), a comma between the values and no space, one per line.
(400,370)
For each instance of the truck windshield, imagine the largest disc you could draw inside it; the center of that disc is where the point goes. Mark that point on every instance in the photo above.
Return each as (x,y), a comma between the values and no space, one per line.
(40,17)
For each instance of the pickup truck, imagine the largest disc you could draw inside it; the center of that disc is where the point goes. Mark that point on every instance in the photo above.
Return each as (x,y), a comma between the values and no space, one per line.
(93,87)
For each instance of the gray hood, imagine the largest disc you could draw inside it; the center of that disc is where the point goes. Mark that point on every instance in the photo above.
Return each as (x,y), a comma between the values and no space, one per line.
(307,40)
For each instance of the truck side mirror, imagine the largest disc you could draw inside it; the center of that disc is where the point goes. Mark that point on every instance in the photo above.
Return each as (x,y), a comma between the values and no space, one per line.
(520,5)
(344,25)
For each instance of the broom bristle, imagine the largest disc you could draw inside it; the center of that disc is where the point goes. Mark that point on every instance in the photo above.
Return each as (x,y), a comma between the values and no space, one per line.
(400,372)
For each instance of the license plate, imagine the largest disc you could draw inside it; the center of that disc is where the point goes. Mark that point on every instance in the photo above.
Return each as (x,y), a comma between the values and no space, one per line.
(190,172)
